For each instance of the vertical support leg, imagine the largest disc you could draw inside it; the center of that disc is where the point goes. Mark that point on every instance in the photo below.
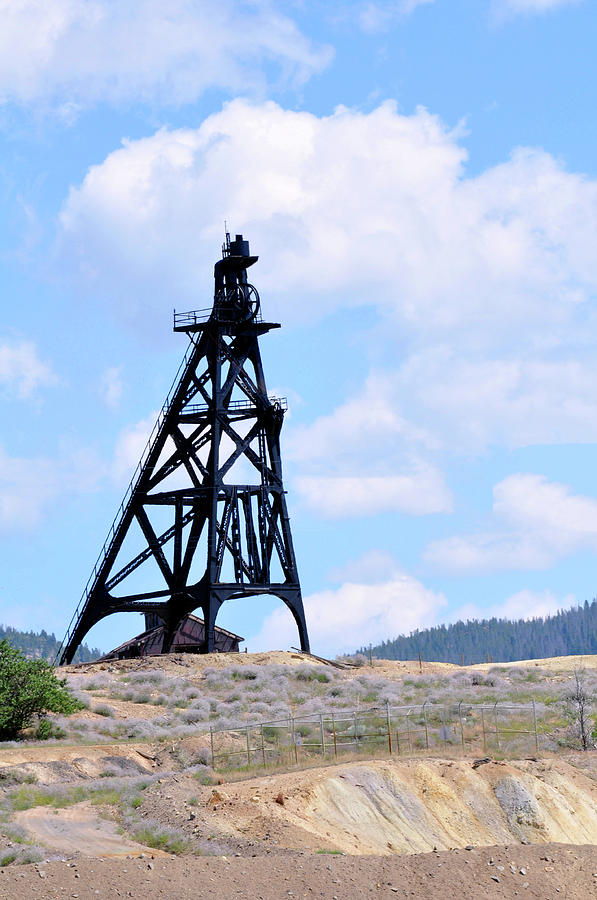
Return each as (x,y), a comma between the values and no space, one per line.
(211,608)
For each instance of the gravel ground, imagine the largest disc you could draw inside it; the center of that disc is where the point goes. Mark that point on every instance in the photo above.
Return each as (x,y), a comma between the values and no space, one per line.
(548,872)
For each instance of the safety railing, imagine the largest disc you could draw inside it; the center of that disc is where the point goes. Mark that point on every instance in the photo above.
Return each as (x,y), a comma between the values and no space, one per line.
(235,406)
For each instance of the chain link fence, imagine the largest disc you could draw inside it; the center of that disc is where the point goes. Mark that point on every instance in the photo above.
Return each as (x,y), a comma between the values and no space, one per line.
(460,728)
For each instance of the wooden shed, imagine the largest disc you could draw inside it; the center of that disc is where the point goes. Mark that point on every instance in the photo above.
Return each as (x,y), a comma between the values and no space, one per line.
(188,639)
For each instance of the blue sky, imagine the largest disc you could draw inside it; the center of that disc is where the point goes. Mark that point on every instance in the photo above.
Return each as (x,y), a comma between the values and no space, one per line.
(420,182)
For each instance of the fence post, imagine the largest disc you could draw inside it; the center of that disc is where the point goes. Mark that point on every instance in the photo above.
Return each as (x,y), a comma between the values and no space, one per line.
(461,726)
(293,735)
(389,721)
(334,729)
(356,731)
(535,724)
(444,727)
(211,740)
(262,744)
(497,726)
(248,745)
(483,727)
(426,729)
(321,734)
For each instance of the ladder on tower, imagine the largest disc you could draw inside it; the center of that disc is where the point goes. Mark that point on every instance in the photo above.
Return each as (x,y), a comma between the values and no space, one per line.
(123,509)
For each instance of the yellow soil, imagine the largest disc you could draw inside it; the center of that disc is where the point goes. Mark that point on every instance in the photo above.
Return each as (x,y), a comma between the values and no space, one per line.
(397,806)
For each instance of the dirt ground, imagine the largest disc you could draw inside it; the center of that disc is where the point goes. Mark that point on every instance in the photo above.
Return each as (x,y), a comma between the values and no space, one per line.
(78,828)
(543,872)
(176,664)
(420,828)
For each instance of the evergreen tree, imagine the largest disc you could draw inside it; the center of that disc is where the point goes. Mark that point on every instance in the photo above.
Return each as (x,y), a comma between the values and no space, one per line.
(569,632)
(43,645)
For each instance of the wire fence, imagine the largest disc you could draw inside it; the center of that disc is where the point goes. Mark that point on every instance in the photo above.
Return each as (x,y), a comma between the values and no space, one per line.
(459,728)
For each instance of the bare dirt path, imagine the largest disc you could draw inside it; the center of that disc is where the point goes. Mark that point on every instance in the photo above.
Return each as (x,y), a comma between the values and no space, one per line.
(78,830)
(538,873)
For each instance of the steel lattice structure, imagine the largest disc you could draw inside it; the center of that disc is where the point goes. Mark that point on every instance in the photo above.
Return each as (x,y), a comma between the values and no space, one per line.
(211,475)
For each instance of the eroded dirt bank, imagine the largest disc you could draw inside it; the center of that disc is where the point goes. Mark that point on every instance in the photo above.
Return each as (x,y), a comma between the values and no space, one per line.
(388,807)
(385,807)
(548,872)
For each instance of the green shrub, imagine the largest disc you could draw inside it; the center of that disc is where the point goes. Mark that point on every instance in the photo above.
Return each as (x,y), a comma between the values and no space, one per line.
(28,687)
(271,733)
(47,729)
(162,840)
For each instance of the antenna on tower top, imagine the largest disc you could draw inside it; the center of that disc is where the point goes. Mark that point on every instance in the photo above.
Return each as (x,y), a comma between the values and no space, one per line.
(226,244)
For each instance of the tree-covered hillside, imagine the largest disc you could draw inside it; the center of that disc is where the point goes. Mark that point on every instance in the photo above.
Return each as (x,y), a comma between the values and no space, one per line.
(569,632)
(43,645)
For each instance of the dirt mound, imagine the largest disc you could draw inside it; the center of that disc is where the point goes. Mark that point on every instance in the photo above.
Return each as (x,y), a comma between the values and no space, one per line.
(388,807)
(414,807)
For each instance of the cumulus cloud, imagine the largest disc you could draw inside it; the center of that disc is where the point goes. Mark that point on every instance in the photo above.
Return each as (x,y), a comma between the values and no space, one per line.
(420,492)
(22,372)
(145,50)
(129,448)
(471,401)
(541,522)
(355,614)
(485,281)
(358,460)
(353,208)
(524,604)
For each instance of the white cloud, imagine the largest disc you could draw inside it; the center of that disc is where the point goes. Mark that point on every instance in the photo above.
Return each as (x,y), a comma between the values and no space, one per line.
(527,604)
(544,521)
(418,493)
(28,486)
(22,372)
(504,8)
(130,444)
(355,615)
(100,51)
(111,386)
(485,281)
(353,208)
(472,402)
(524,604)
(369,422)
(357,460)
(373,567)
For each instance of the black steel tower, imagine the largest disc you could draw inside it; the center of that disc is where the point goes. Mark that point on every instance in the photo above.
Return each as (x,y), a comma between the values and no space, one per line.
(204,519)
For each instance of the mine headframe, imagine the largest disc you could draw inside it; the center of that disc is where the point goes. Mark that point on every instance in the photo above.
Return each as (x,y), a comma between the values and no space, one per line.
(204,519)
